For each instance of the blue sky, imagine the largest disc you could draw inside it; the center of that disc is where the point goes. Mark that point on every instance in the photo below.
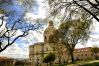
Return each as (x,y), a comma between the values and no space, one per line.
(20,48)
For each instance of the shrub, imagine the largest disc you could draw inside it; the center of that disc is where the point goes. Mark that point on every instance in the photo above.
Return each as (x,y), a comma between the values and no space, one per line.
(50,57)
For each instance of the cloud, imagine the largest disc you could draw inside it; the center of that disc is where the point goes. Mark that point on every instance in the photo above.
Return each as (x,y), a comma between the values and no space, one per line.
(34,37)
(20,49)
(94,36)
(39,10)
(14,51)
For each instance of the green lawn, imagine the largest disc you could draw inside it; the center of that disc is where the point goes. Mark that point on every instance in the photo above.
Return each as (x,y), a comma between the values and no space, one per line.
(91,64)
(86,63)
(82,63)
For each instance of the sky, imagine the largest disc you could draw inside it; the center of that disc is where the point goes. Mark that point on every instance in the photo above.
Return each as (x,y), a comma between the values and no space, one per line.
(94,36)
(20,49)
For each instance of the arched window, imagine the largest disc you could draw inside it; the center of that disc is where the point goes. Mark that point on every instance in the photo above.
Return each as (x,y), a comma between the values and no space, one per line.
(45,39)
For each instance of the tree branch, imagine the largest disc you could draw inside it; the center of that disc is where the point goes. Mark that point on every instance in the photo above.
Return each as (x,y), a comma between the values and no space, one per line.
(87,11)
(92,4)
(97,2)
(2,18)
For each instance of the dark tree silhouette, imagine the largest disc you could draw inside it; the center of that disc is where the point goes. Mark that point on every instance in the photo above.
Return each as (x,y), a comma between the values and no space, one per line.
(9,34)
(72,7)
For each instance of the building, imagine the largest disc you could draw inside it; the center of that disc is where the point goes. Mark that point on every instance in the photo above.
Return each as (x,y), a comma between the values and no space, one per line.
(4,61)
(39,50)
(83,54)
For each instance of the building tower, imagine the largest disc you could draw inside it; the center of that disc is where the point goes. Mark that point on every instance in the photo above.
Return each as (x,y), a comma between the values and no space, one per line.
(50,33)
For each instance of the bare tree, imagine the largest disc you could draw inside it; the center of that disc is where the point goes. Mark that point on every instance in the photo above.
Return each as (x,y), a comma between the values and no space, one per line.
(2,18)
(92,7)
(10,33)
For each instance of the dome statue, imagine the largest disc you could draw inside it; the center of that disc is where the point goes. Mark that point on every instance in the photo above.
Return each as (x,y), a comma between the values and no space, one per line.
(50,23)
(50,33)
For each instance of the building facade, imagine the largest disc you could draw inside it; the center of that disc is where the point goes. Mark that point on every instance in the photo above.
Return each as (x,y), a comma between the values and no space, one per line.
(39,50)
(83,53)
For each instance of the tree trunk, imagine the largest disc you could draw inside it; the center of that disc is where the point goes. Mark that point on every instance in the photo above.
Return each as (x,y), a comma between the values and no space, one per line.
(47,64)
(71,54)
(50,63)
(59,60)
(72,57)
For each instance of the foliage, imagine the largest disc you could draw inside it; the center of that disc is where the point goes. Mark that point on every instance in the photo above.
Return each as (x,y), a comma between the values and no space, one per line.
(50,57)
(59,65)
(2,11)
(5,1)
(27,2)
(74,8)
(95,50)
(91,64)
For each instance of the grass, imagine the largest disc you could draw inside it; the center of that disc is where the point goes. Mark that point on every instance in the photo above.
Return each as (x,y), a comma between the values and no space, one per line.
(60,65)
(91,64)
(82,63)
(85,63)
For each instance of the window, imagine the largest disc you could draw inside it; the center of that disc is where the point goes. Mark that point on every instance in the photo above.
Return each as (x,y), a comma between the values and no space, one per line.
(86,50)
(85,54)
(45,39)
(78,55)
(81,50)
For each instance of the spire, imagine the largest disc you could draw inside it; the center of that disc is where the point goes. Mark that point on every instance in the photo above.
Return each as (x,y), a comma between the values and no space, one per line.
(50,23)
